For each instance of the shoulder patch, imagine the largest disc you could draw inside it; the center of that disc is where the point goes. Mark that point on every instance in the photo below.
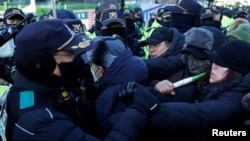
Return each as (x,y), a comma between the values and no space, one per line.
(27,99)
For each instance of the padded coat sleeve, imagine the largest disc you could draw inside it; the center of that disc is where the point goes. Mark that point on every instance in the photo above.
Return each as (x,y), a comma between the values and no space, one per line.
(128,127)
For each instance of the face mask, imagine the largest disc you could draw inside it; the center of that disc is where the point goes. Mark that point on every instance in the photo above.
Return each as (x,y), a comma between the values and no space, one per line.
(20,27)
(7,50)
(121,31)
(94,74)
(165,24)
(72,70)
(196,66)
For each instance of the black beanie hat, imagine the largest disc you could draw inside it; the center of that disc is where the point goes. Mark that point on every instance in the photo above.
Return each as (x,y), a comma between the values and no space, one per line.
(233,54)
(219,36)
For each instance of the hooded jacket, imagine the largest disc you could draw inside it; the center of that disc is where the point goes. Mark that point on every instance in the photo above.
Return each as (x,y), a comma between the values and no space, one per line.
(125,67)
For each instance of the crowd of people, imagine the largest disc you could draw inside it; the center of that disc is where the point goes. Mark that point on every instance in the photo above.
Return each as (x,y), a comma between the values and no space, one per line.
(123,79)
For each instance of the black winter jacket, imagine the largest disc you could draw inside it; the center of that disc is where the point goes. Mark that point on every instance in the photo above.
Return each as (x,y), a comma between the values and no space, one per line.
(217,107)
(34,115)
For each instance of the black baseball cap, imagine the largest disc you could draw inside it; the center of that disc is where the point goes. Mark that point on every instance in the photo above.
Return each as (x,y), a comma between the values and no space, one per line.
(159,35)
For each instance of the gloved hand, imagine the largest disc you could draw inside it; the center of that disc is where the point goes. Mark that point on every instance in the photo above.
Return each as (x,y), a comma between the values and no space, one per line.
(246,101)
(144,101)
(128,89)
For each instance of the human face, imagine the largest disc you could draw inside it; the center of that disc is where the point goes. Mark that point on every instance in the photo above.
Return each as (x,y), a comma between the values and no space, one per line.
(62,56)
(153,15)
(218,73)
(217,17)
(138,14)
(13,21)
(157,50)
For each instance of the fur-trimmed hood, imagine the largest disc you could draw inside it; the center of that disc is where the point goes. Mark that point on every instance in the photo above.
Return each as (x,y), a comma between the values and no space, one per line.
(197,41)
(200,38)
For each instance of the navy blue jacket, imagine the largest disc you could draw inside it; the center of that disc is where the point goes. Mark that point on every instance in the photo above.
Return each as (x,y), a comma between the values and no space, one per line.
(218,107)
(125,68)
(33,114)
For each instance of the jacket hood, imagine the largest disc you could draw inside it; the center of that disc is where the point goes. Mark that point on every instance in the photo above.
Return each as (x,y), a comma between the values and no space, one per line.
(125,67)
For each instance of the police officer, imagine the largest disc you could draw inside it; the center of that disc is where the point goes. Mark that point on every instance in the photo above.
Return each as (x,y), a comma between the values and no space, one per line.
(12,17)
(42,105)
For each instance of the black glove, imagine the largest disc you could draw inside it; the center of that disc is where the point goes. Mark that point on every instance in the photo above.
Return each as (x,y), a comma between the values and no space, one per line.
(246,101)
(144,101)
(128,89)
